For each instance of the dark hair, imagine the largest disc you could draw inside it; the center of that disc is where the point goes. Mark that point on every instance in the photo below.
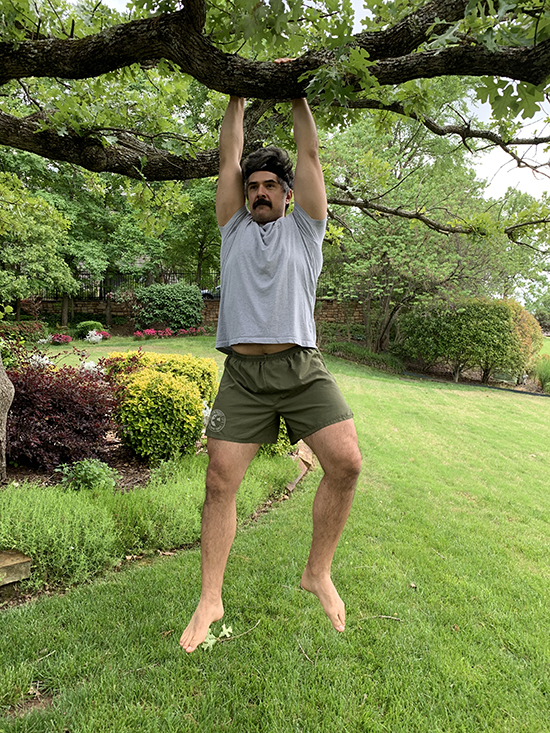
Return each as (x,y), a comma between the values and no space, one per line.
(272,159)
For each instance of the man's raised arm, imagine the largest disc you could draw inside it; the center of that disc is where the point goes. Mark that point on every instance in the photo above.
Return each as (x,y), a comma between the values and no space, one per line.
(309,184)
(230,193)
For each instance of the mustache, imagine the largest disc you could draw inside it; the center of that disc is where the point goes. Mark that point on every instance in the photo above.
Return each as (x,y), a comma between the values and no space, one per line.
(260,202)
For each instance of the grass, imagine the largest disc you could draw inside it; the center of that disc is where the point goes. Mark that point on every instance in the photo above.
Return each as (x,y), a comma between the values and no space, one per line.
(443,566)
(546,346)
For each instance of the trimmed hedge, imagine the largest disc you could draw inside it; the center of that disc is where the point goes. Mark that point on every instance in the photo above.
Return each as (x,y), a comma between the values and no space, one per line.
(177,305)
(203,372)
(160,414)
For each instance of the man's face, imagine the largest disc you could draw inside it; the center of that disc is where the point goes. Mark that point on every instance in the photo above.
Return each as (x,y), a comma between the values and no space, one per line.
(267,198)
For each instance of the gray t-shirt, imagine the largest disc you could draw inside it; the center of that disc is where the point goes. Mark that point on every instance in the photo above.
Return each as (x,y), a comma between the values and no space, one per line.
(268,279)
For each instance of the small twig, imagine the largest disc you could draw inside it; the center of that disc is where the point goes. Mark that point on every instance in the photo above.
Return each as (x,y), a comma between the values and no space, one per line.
(438,553)
(305,655)
(167,633)
(391,618)
(47,655)
(230,638)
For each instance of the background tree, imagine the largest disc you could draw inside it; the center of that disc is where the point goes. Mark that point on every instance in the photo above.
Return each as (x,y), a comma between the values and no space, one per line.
(413,225)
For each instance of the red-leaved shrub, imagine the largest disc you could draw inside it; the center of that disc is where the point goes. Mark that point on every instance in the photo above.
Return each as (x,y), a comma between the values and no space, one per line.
(57,415)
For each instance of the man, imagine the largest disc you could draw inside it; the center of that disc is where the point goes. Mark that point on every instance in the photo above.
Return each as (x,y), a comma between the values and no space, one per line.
(269,268)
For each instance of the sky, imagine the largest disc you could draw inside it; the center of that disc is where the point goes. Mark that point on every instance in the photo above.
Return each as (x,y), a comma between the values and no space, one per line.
(496,167)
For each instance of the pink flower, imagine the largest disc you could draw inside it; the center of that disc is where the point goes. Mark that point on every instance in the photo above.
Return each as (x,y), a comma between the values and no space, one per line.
(104,334)
(61,338)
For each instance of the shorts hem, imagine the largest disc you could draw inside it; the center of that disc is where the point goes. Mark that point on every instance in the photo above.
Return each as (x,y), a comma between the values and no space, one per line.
(347,416)
(239,440)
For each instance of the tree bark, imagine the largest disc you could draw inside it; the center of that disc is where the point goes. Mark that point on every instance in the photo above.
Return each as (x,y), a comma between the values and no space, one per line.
(65,311)
(397,51)
(7,392)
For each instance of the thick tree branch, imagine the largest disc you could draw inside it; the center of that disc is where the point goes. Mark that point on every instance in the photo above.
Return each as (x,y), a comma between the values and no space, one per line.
(178,37)
(129,156)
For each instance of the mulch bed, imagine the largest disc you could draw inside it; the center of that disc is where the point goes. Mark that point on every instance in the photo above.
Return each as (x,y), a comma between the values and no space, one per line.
(133,471)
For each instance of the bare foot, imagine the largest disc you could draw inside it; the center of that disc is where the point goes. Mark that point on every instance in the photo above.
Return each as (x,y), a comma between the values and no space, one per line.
(197,629)
(324,589)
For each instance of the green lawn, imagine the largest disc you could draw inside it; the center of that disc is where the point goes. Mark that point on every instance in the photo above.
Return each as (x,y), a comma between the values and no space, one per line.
(444,566)
(546,346)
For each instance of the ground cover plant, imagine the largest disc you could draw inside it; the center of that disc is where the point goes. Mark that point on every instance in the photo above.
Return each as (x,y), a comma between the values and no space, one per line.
(75,530)
(443,566)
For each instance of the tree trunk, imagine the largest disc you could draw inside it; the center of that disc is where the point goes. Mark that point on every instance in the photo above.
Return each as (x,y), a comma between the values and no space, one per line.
(7,392)
(65,310)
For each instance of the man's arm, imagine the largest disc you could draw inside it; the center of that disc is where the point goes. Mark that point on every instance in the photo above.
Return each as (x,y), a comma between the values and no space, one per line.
(309,184)
(230,194)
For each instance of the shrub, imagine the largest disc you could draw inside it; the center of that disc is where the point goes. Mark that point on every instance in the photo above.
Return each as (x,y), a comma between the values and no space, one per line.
(362,355)
(27,332)
(542,372)
(84,327)
(177,305)
(160,414)
(68,539)
(282,447)
(490,334)
(90,475)
(57,415)
(203,372)
(61,338)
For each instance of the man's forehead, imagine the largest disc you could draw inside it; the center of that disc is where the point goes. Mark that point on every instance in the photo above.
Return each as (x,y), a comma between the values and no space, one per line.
(262,177)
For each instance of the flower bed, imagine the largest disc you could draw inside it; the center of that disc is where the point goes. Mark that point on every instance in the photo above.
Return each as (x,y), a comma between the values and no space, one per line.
(151,333)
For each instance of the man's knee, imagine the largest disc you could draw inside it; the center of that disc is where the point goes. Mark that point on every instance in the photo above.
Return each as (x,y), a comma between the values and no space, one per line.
(347,466)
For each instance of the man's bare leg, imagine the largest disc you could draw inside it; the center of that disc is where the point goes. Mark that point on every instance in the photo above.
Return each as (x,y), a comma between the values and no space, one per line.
(226,468)
(337,450)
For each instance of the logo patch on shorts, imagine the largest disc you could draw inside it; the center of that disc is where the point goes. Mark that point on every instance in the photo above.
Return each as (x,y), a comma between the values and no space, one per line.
(217,421)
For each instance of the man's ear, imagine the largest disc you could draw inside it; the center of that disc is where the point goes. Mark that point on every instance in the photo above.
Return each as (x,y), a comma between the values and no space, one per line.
(288,196)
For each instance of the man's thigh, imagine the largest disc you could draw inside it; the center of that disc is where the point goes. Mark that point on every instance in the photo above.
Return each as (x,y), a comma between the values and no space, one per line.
(336,447)
(227,463)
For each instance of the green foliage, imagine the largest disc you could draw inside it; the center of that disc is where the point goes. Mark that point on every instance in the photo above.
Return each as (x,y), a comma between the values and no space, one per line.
(202,371)
(32,235)
(492,335)
(68,539)
(177,306)
(282,447)
(539,305)
(542,372)
(360,354)
(160,414)
(81,329)
(90,475)
(166,513)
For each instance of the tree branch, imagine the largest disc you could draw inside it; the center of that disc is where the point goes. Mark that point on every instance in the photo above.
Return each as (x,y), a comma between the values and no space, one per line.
(367,206)
(178,37)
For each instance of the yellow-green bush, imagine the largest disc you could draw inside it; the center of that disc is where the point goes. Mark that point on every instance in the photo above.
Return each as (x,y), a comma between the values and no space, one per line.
(160,414)
(203,372)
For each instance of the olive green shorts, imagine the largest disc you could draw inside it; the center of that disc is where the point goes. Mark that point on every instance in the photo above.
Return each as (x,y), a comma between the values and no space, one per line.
(255,391)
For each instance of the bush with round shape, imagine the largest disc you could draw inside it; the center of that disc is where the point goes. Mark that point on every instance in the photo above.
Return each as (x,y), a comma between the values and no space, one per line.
(203,372)
(82,329)
(90,475)
(68,538)
(160,414)
(177,305)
